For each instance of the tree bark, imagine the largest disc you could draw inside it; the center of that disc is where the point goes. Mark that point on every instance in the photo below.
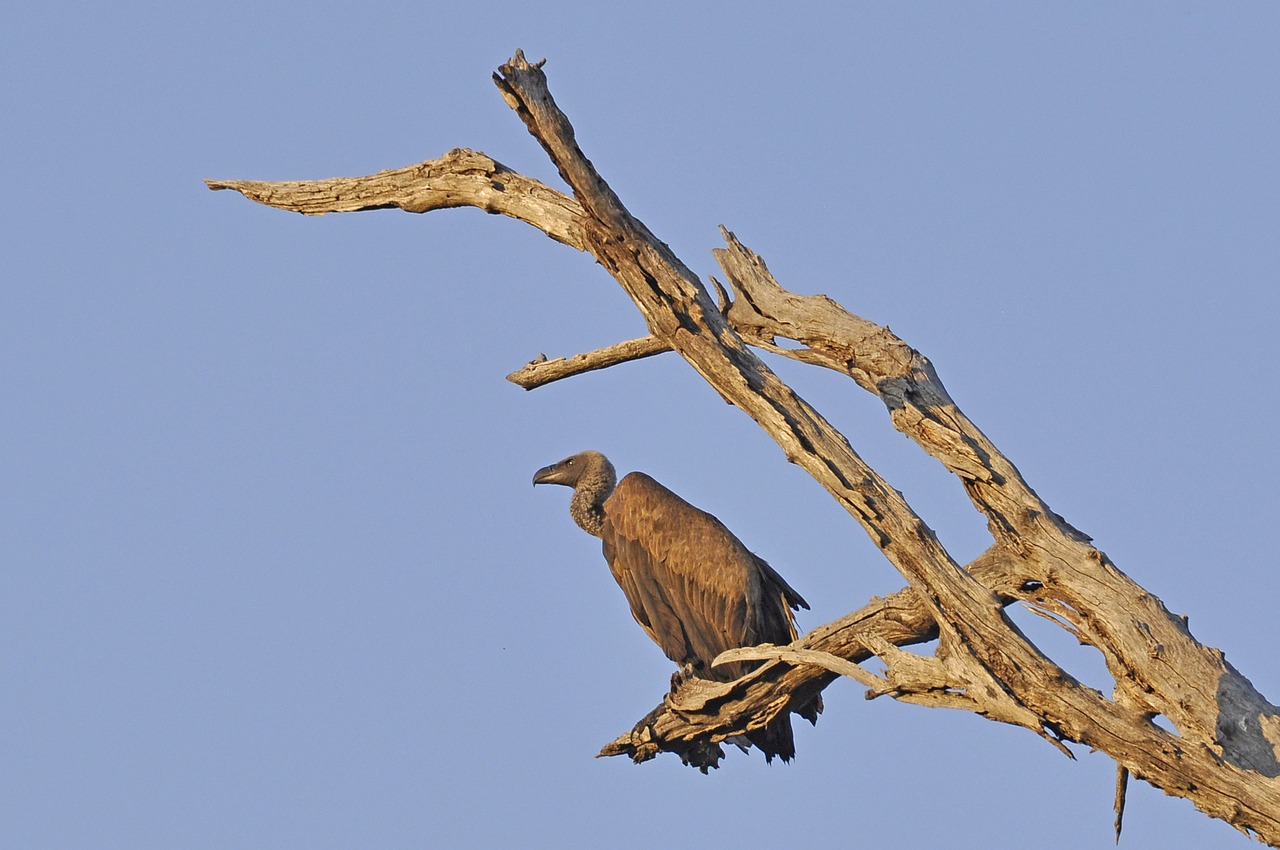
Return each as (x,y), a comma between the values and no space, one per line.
(1225,753)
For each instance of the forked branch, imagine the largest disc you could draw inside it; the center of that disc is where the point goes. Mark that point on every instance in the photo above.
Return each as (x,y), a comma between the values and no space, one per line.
(1225,756)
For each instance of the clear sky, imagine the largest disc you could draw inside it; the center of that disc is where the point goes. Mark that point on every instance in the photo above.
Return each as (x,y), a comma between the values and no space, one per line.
(274,574)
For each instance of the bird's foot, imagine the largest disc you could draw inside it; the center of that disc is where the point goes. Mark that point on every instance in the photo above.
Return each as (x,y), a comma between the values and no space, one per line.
(678,678)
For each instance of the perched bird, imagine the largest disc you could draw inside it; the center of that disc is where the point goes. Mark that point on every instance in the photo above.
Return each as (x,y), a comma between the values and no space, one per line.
(692,586)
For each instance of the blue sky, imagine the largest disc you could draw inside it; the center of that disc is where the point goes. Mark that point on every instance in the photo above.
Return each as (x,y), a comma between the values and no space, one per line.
(275,575)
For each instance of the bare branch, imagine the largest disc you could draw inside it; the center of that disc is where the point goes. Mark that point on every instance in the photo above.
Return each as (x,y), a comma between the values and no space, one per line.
(679,309)
(542,371)
(1062,565)
(460,178)
(1225,756)
(1122,790)
(1098,603)
(800,655)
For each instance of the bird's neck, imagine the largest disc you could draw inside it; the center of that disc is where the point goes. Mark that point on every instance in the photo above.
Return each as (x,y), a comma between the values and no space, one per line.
(587,505)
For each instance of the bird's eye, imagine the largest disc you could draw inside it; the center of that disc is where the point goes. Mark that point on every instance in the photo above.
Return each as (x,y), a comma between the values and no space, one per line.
(569,462)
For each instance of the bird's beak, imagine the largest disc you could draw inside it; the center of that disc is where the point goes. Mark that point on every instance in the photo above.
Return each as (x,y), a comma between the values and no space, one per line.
(546,475)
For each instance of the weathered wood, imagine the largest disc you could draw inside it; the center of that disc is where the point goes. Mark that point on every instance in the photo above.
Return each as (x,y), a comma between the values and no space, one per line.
(1225,754)
(1073,581)
(460,178)
(541,371)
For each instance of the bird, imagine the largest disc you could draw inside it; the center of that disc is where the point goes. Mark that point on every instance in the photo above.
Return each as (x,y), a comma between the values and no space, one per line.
(692,586)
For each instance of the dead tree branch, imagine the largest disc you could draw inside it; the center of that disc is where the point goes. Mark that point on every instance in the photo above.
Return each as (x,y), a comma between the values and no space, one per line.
(542,371)
(460,178)
(1225,754)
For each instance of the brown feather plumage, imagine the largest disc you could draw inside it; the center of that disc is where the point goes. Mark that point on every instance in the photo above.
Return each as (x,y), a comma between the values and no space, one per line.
(692,586)
(696,586)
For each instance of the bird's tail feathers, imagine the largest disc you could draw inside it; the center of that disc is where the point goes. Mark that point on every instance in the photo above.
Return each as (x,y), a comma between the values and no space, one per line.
(777,739)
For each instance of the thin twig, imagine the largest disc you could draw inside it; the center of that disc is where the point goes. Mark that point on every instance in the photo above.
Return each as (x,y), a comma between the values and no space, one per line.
(542,371)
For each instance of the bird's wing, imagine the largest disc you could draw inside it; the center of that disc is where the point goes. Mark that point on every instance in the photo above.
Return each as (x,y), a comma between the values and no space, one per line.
(691,584)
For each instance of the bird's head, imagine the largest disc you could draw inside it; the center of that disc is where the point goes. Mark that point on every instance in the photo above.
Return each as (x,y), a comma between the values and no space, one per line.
(592,478)
(584,466)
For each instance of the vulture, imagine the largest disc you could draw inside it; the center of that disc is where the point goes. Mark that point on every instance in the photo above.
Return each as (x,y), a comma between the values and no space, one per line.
(692,586)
